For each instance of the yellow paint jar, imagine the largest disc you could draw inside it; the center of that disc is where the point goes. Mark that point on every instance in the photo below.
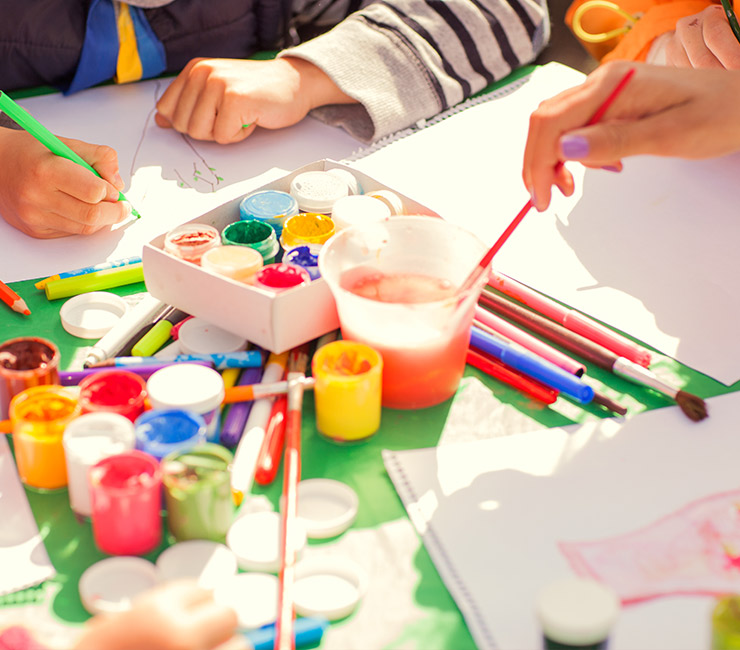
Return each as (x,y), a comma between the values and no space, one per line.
(347,392)
(239,263)
(306,228)
(38,417)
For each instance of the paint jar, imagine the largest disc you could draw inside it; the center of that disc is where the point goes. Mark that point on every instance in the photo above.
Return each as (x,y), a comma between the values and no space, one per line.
(87,440)
(114,391)
(190,240)
(26,362)
(198,492)
(255,234)
(307,228)
(347,392)
(38,417)
(163,431)
(726,623)
(270,206)
(391,200)
(576,613)
(317,191)
(281,276)
(395,287)
(239,263)
(307,257)
(126,497)
(358,210)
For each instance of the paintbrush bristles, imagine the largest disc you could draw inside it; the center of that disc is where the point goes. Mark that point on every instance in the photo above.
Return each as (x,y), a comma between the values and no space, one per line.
(693,406)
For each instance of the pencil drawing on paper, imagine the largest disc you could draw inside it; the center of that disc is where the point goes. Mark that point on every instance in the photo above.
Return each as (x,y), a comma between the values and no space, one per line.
(191,170)
(695,550)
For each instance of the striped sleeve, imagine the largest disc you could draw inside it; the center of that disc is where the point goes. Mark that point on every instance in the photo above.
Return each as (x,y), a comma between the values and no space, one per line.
(406,60)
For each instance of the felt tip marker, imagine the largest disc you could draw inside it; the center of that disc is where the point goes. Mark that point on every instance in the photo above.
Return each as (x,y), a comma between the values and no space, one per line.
(244,359)
(31,125)
(536,367)
(308,632)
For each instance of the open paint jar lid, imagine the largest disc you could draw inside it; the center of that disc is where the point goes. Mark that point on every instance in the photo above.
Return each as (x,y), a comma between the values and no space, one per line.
(92,315)
(110,585)
(253,596)
(328,586)
(255,540)
(326,507)
(210,563)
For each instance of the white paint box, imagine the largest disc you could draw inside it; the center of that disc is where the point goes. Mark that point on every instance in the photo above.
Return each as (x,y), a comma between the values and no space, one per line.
(275,322)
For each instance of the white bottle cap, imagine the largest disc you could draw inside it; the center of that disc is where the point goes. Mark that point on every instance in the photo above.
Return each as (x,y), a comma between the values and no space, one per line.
(317,191)
(197,336)
(210,563)
(328,586)
(187,386)
(327,507)
(348,177)
(577,611)
(253,596)
(110,585)
(358,210)
(391,200)
(92,315)
(255,540)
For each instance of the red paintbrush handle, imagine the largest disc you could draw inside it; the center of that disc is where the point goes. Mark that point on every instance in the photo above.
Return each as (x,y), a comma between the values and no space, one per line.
(272,446)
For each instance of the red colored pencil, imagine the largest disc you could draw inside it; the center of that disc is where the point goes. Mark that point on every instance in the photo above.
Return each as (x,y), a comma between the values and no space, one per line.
(13,300)
(268,461)
(297,364)
(509,376)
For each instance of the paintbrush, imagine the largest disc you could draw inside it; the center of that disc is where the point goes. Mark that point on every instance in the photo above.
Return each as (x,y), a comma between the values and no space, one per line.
(693,406)
(297,364)
(483,265)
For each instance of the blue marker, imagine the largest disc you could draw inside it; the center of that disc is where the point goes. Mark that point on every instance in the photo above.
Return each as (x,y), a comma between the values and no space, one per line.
(103,266)
(245,359)
(308,631)
(536,367)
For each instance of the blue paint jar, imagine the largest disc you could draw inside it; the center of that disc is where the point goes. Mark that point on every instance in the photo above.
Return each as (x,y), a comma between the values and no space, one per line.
(162,431)
(270,206)
(305,256)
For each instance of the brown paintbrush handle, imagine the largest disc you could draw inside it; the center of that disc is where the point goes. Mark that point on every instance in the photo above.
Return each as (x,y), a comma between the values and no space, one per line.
(552,331)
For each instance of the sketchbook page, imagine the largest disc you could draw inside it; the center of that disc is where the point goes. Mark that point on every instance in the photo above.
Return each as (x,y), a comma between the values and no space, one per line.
(23,558)
(492,513)
(170,178)
(649,251)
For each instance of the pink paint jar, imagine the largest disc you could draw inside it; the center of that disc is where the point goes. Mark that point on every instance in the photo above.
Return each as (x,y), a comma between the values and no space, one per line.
(113,391)
(126,497)
(281,276)
(190,240)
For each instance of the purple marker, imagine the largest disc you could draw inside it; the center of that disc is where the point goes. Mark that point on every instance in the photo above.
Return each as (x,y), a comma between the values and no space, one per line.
(74,377)
(236,417)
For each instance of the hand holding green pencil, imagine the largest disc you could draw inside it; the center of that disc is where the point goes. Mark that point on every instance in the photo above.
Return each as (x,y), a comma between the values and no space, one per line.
(33,127)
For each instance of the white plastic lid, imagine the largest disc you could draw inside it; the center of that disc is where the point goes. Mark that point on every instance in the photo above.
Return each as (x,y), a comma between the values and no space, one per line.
(357,210)
(326,507)
(92,315)
(197,336)
(92,436)
(210,563)
(255,540)
(111,584)
(391,200)
(348,177)
(187,386)
(577,611)
(253,596)
(329,587)
(317,191)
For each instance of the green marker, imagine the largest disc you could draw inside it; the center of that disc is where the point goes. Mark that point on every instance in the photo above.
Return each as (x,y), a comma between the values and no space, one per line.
(156,337)
(31,125)
(97,281)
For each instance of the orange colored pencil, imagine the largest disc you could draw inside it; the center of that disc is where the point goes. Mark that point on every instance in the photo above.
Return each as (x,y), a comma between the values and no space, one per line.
(13,300)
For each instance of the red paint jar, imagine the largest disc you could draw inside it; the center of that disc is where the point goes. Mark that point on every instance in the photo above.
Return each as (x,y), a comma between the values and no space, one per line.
(114,391)
(189,241)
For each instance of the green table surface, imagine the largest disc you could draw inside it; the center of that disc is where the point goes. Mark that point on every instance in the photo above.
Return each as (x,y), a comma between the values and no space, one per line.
(70,545)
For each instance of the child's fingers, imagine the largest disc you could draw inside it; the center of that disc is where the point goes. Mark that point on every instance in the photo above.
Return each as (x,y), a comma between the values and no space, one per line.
(211,624)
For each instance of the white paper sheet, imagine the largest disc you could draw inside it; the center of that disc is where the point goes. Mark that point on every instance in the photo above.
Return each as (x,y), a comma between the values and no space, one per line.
(23,558)
(492,512)
(649,251)
(169,178)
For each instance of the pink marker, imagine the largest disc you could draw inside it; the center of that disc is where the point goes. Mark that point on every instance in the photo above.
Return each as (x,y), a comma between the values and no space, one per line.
(571,319)
(526,340)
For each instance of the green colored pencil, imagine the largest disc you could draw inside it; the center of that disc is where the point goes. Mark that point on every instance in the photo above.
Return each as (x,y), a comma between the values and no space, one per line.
(30,124)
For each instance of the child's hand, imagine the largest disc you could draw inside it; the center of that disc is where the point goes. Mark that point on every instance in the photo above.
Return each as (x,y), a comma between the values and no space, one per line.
(213,99)
(176,616)
(47,196)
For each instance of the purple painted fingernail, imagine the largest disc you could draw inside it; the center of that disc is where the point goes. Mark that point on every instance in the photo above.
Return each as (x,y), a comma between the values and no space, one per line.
(611,168)
(573,147)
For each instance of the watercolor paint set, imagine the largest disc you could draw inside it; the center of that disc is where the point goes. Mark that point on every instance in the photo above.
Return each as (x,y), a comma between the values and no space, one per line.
(276,321)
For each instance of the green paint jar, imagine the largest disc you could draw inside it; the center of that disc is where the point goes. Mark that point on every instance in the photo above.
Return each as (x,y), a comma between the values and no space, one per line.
(726,623)
(253,233)
(198,492)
